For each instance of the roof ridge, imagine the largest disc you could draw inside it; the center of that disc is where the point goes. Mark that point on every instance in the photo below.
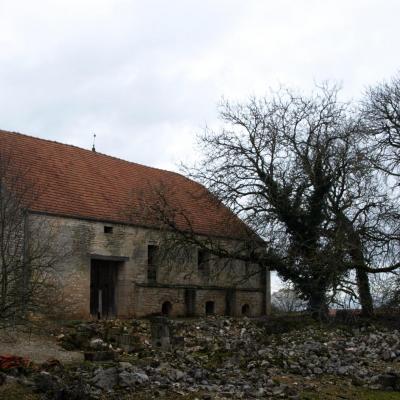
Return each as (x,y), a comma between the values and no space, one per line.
(94,152)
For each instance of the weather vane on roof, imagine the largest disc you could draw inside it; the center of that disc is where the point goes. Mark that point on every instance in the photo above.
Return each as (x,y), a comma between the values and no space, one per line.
(94,143)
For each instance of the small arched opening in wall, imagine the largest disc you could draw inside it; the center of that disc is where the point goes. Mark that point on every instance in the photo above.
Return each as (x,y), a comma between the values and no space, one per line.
(245,310)
(210,307)
(166,308)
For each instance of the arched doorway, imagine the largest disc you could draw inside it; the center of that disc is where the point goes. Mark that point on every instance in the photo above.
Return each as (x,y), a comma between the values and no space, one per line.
(245,309)
(166,308)
(210,307)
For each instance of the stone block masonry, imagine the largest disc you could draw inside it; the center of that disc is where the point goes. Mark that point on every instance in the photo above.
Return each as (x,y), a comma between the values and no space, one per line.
(106,275)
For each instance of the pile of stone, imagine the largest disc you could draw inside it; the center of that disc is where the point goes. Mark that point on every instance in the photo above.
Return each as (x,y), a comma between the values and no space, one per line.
(367,356)
(116,335)
(220,358)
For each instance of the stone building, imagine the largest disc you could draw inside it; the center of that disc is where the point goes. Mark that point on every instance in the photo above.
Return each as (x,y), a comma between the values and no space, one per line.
(99,204)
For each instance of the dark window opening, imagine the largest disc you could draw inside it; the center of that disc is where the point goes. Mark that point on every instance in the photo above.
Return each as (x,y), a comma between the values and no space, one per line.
(190,302)
(166,308)
(203,258)
(210,307)
(108,229)
(152,275)
(152,254)
(230,302)
(246,309)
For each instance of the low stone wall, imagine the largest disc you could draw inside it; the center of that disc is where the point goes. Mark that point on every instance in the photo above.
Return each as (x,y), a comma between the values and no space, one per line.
(149,301)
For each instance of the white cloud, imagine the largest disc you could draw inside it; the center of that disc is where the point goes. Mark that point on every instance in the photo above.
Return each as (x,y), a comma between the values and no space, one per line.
(146,76)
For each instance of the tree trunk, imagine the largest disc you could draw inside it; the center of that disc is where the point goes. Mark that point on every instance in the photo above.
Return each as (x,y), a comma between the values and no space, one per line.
(364,293)
(317,305)
(357,255)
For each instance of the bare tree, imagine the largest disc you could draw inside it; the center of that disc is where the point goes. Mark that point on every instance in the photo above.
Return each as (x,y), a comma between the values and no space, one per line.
(270,166)
(377,208)
(361,212)
(381,115)
(386,290)
(28,247)
(287,300)
(237,253)
(299,171)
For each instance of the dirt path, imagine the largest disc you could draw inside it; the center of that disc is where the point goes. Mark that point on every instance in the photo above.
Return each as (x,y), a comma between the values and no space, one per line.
(37,348)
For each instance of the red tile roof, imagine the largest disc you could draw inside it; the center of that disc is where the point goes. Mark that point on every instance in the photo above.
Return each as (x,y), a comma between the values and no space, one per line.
(79,183)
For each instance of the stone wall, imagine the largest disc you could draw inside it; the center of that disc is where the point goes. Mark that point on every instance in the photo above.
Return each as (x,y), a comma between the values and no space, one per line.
(149,301)
(134,295)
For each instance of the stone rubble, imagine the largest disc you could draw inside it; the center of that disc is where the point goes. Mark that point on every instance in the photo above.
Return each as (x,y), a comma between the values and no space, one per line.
(225,358)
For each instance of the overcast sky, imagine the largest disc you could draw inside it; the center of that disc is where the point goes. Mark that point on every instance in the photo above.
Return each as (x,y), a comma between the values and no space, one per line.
(146,76)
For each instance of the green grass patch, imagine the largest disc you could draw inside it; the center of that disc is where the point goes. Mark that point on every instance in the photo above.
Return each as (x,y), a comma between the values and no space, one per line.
(349,393)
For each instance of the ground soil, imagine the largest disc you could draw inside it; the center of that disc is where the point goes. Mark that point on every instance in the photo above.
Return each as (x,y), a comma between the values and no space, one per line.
(35,346)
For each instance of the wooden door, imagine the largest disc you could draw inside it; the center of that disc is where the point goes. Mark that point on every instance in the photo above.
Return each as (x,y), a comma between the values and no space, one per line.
(103,278)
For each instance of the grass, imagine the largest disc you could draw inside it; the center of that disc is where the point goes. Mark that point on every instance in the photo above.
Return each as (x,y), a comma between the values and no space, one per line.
(335,388)
(166,396)
(334,392)
(15,391)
